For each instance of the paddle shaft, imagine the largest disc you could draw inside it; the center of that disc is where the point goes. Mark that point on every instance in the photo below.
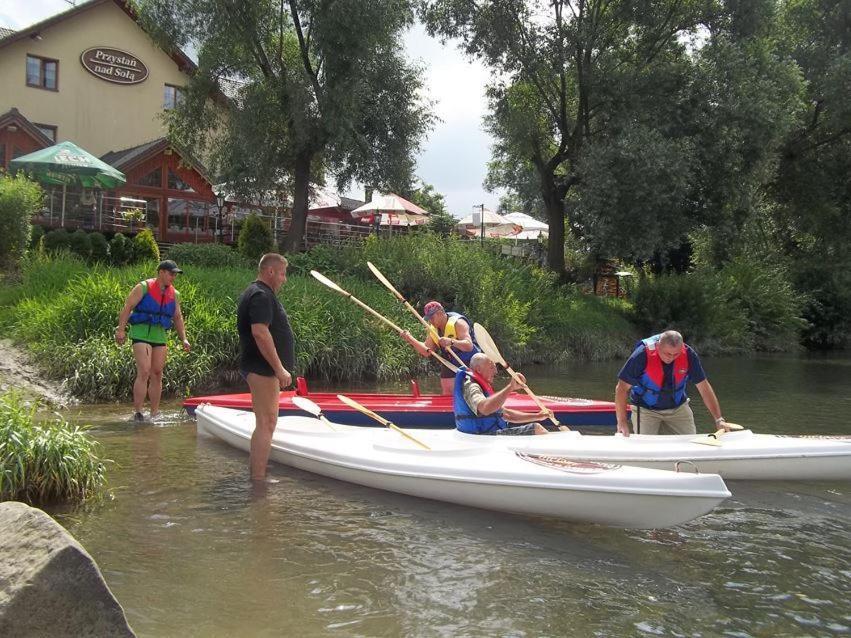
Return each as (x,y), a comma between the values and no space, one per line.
(381,420)
(531,394)
(430,328)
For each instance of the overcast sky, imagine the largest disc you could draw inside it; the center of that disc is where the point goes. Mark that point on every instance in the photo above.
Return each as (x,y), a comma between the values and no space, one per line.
(455,154)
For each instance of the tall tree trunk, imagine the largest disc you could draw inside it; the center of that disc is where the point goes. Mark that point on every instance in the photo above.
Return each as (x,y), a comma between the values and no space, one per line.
(294,239)
(554,204)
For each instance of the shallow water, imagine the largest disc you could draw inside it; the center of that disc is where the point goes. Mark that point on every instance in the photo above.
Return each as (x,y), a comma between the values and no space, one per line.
(189,550)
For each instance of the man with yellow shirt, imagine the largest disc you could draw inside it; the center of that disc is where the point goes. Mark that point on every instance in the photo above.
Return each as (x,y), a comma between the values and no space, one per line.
(453,331)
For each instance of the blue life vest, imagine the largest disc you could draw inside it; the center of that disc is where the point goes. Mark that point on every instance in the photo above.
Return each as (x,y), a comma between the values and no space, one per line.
(465,419)
(449,331)
(649,387)
(156,307)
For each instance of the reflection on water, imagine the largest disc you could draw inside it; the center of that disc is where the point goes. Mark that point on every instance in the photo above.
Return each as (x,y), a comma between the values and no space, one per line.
(190,551)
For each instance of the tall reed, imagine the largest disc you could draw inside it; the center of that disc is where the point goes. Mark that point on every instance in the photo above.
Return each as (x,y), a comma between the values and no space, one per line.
(48,461)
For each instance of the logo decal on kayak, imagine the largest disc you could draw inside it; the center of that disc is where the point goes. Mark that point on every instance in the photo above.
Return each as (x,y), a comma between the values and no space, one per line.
(567,465)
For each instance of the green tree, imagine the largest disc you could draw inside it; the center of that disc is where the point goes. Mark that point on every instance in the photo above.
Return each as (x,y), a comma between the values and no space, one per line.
(255,238)
(20,199)
(638,120)
(812,189)
(313,88)
(145,247)
(440,221)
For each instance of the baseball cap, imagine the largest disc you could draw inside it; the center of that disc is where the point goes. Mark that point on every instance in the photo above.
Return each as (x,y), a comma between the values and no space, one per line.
(169,265)
(431,309)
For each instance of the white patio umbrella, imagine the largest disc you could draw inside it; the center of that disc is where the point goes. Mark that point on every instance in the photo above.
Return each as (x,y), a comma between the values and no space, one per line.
(531,228)
(494,225)
(394,210)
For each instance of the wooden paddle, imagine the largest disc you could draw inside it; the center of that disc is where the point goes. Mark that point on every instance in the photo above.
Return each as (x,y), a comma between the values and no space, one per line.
(357,406)
(714,439)
(327,282)
(489,348)
(430,328)
(303,403)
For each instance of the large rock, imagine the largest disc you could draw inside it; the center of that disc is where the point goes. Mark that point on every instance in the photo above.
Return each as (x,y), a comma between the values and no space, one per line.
(49,585)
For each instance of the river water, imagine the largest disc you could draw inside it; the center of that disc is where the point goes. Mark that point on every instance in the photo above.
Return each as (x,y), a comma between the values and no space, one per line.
(189,550)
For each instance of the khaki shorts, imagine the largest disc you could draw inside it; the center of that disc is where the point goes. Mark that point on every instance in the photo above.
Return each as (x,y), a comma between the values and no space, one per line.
(678,420)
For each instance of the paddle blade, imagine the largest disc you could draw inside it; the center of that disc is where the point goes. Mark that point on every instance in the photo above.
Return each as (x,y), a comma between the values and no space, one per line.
(713,439)
(487,345)
(735,426)
(324,280)
(303,403)
(383,280)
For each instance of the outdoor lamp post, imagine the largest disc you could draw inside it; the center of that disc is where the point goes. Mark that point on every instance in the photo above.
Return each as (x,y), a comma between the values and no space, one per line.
(220,202)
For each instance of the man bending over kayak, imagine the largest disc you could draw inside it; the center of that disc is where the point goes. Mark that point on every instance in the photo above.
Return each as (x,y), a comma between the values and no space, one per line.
(478,409)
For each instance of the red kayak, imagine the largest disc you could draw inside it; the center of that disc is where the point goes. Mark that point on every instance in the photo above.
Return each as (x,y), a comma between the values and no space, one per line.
(415,409)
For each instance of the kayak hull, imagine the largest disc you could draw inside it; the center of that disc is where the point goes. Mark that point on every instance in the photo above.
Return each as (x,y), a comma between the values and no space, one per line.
(491,477)
(741,455)
(414,410)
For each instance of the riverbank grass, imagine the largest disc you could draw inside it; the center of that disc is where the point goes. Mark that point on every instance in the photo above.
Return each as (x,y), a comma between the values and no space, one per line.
(43,462)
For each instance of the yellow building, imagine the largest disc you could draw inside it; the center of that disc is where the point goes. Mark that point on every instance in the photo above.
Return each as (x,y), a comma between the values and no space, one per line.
(93,76)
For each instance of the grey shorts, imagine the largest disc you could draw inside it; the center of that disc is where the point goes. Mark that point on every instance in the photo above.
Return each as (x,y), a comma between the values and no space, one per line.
(517,430)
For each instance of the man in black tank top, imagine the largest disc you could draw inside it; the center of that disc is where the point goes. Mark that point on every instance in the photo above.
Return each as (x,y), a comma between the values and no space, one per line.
(267,353)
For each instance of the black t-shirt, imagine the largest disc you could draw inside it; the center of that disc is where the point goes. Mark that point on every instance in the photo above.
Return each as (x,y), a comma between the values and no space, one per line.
(258,304)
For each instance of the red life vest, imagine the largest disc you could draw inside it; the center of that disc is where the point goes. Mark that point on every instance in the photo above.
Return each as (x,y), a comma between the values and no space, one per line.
(653,379)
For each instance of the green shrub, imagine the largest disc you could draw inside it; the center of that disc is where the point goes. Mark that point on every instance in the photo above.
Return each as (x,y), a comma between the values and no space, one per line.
(210,255)
(20,199)
(145,247)
(255,238)
(35,237)
(120,250)
(100,247)
(693,304)
(57,241)
(45,462)
(771,306)
(80,244)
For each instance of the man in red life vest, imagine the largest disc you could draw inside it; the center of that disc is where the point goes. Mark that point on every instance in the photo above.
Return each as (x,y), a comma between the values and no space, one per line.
(654,379)
(152,308)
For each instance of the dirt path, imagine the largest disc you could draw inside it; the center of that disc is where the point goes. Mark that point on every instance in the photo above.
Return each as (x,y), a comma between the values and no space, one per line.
(16,373)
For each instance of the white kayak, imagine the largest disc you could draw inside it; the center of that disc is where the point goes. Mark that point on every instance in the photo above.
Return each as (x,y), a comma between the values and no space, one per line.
(739,455)
(492,477)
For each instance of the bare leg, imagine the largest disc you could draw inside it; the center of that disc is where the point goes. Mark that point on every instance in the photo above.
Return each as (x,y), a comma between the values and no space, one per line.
(447,385)
(264,399)
(155,379)
(142,354)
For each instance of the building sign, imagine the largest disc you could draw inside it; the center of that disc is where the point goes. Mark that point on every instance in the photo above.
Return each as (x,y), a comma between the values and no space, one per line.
(114,65)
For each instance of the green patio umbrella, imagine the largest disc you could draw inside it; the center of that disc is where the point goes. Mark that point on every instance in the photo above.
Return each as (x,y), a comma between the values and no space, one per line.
(66,163)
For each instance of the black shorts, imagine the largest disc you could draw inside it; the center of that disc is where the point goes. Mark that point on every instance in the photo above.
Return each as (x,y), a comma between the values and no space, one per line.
(153,345)
(445,373)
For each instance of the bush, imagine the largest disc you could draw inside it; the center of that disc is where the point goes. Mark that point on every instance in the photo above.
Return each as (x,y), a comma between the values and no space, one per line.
(20,199)
(45,462)
(81,244)
(255,238)
(747,305)
(210,255)
(57,241)
(100,247)
(35,237)
(120,250)
(145,247)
